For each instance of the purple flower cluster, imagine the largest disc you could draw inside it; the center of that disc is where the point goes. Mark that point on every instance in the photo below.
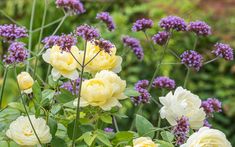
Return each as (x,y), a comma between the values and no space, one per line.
(163,82)
(192,59)
(87,32)
(10,32)
(161,37)
(16,53)
(70,85)
(142,25)
(71,6)
(134,44)
(108,130)
(65,41)
(211,105)
(173,22)
(141,87)
(199,27)
(107,19)
(104,45)
(223,50)
(207,124)
(181,130)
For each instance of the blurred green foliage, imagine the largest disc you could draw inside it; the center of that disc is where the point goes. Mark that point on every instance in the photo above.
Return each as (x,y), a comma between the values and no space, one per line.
(213,80)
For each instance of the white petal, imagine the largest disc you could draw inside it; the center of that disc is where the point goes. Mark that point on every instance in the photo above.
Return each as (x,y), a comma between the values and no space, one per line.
(46,56)
(83,103)
(72,75)
(110,103)
(30,90)
(55,74)
(118,67)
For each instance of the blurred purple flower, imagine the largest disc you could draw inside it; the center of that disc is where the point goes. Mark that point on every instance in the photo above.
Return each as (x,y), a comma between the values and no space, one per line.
(11,32)
(207,124)
(104,45)
(211,105)
(87,32)
(163,82)
(134,44)
(70,86)
(16,53)
(173,22)
(223,51)
(192,59)
(50,41)
(141,87)
(108,130)
(71,6)
(199,27)
(181,130)
(161,37)
(142,25)
(107,19)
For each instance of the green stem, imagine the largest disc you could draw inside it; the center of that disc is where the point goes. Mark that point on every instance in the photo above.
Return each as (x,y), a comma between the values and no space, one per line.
(75,127)
(30,32)
(151,44)
(195,43)
(186,77)
(158,126)
(3,85)
(48,72)
(26,111)
(115,123)
(40,35)
(8,17)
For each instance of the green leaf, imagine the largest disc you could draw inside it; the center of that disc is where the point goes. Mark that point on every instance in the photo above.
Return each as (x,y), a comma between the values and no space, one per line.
(89,138)
(167,136)
(17,106)
(144,127)
(131,92)
(71,130)
(106,118)
(65,96)
(48,94)
(53,126)
(123,137)
(163,143)
(104,139)
(58,142)
(55,108)
(37,91)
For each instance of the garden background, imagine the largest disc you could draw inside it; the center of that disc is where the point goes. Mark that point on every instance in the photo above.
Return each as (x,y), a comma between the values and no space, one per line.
(216,79)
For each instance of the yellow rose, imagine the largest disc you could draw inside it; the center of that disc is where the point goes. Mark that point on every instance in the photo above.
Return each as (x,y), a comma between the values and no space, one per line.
(63,62)
(22,133)
(105,91)
(144,142)
(207,137)
(25,82)
(182,103)
(103,61)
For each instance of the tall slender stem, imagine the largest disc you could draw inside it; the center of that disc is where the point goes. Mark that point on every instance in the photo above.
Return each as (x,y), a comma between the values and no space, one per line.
(149,41)
(40,35)
(92,58)
(30,32)
(158,126)
(75,127)
(3,85)
(115,123)
(26,111)
(186,77)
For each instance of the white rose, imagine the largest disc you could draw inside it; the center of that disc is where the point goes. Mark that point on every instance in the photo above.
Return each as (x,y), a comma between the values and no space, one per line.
(207,137)
(144,142)
(22,133)
(182,103)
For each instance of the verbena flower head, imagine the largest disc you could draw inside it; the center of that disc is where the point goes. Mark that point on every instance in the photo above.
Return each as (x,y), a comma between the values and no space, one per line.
(87,32)
(108,130)
(71,6)
(142,25)
(107,19)
(192,59)
(207,124)
(104,45)
(181,130)
(173,22)
(11,32)
(199,27)
(134,44)
(161,37)
(65,41)
(223,50)
(211,105)
(141,87)
(50,41)
(70,86)
(16,53)
(163,82)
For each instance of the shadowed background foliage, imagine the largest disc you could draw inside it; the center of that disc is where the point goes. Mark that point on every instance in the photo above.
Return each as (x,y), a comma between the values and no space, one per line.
(213,80)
